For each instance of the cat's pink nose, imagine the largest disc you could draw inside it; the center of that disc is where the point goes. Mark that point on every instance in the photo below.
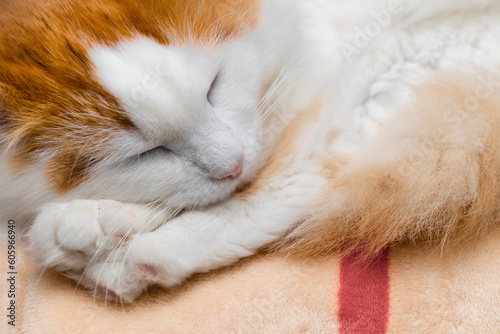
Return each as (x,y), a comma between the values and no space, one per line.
(234,173)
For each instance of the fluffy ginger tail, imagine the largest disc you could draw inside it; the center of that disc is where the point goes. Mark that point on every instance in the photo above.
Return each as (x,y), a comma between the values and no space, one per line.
(431,173)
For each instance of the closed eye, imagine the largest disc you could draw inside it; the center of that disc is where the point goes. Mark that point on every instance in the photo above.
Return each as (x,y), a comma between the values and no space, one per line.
(156,150)
(211,91)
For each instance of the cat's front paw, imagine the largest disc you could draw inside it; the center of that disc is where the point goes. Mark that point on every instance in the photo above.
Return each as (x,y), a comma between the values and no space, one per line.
(88,241)
(144,260)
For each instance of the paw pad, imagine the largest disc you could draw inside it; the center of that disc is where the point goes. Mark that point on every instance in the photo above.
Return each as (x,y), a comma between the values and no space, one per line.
(149,271)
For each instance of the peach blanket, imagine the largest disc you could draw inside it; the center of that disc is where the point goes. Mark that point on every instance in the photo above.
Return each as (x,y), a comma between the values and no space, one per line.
(411,289)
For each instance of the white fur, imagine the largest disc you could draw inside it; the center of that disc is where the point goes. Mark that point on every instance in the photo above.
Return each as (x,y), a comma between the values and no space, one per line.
(377,79)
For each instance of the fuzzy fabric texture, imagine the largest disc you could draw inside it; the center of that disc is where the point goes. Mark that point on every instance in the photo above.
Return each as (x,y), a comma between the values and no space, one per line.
(427,292)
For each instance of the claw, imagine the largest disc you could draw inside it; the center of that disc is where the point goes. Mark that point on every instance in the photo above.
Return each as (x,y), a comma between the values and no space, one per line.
(107,292)
(123,238)
(79,253)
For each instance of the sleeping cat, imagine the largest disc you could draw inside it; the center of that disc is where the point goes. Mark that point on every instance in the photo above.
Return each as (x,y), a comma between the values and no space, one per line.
(148,141)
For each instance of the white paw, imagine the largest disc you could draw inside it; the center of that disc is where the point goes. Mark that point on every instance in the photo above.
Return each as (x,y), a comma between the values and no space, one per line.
(88,241)
(144,260)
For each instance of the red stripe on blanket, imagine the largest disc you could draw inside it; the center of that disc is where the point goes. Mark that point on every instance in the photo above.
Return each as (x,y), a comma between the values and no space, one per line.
(364,294)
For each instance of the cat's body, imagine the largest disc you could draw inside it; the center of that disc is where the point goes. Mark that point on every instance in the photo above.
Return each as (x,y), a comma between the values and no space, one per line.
(288,96)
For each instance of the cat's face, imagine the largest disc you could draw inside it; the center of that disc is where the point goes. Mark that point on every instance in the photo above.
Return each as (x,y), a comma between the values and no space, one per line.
(142,101)
(195,112)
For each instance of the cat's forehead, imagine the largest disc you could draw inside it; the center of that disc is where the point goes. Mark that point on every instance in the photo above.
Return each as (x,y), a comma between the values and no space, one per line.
(163,89)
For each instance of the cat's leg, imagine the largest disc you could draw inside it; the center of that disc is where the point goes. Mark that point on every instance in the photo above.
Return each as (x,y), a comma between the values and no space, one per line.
(430,172)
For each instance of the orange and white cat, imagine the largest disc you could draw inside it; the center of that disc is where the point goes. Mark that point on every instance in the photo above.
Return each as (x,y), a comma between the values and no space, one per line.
(151,140)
